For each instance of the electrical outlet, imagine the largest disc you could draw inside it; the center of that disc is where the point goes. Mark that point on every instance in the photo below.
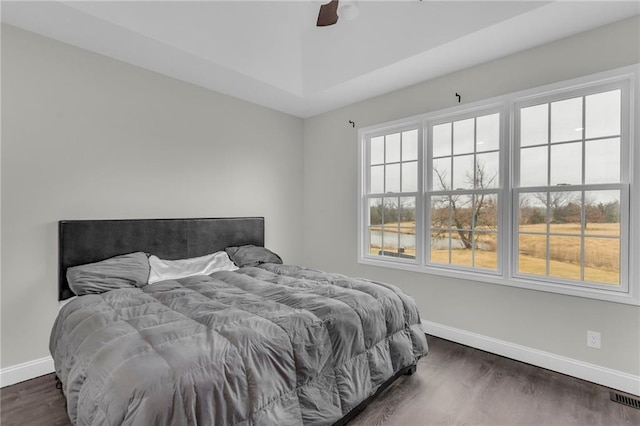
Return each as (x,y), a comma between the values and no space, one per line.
(593,339)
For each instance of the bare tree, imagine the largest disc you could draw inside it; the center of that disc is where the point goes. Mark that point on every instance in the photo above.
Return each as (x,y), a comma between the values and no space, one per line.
(564,206)
(467,212)
(531,214)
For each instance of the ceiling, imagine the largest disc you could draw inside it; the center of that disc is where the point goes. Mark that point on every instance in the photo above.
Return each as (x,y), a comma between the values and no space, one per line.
(271,53)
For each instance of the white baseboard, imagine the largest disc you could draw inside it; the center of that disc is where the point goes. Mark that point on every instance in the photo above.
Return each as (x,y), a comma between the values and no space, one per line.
(593,373)
(25,371)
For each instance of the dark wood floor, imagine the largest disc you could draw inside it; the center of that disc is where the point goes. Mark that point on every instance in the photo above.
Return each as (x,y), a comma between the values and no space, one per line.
(454,385)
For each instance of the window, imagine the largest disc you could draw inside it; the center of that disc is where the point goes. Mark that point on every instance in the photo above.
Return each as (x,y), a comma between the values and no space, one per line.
(532,189)
(570,190)
(392,159)
(463,190)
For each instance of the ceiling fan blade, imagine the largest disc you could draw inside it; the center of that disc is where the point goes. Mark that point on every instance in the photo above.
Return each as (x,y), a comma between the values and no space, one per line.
(328,14)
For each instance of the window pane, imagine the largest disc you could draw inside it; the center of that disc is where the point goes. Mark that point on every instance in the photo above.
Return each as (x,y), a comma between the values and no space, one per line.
(564,257)
(566,120)
(603,114)
(391,212)
(566,212)
(602,213)
(390,241)
(488,132)
(566,164)
(410,176)
(442,140)
(441,175)
(602,161)
(533,212)
(377,150)
(487,169)
(377,179)
(534,125)
(533,166)
(532,254)
(486,250)
(407,247)
(393,148)
(486,212)
(460,253)
(462,213)
(463,172)
(407,237)
(463,136)
(375,211)
(390,227)
(375,225)
(602,260)
(375,241)
(392,183)
(440,212)
(440,243)
(408,212)
(410,145)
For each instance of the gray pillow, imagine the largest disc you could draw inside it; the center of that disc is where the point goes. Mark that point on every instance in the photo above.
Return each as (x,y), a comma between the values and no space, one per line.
(252,255)
(125,271)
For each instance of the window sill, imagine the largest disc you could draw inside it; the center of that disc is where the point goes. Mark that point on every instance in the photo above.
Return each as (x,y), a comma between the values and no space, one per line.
(518,282)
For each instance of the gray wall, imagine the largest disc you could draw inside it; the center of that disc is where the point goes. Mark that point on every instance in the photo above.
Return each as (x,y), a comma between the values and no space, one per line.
(544,321)
(87,137)
(84,136)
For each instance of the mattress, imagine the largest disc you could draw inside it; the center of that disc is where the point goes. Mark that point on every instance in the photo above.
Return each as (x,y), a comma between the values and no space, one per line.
(274,344)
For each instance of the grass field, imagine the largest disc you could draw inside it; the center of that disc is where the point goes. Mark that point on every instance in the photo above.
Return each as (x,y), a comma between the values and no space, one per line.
(601,252)
(405,227)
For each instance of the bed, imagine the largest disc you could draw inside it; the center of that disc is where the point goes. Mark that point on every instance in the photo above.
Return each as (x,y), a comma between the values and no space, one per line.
(268,343)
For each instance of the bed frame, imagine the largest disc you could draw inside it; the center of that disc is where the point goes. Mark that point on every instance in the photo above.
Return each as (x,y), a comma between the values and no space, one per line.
(87,241)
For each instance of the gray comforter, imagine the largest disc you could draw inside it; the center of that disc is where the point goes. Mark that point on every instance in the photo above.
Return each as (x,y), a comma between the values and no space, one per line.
(274,344)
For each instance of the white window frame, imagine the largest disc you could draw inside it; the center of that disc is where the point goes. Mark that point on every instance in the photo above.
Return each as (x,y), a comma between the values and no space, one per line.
(623,186)
(404,126)
(629,290)
(474,112)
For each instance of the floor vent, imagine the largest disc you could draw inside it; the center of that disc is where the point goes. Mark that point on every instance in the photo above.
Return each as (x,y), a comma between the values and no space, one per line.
(626,400)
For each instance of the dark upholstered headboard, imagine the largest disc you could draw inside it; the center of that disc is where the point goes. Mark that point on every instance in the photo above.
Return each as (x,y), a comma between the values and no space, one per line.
(87,241)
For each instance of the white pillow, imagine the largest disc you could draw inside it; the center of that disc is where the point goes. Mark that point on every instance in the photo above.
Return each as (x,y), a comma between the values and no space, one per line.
(204,265)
